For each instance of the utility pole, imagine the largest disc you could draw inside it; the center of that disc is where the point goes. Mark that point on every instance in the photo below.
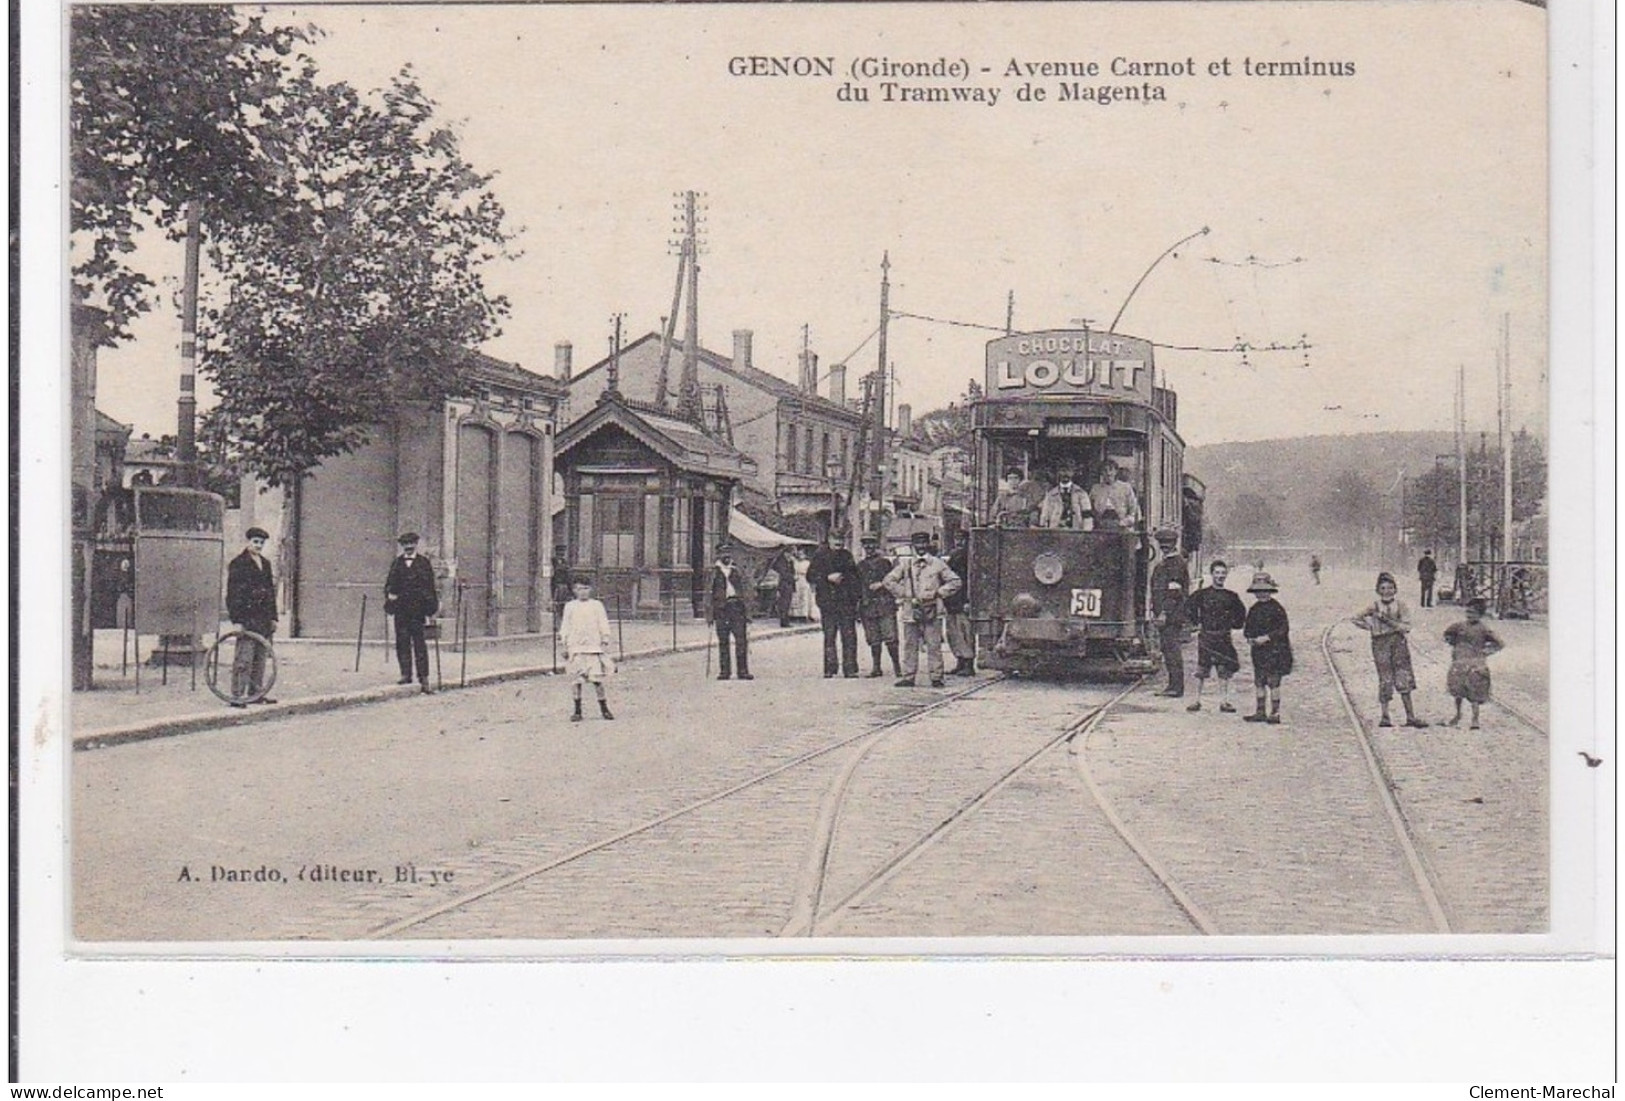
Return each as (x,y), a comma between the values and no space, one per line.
(688,393)
(614,382)
(1461,463)
(1010,313)
(1504,405)
(186,407)
(877,476)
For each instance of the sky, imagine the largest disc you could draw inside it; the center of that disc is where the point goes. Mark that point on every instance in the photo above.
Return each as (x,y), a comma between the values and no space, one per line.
(1391,218)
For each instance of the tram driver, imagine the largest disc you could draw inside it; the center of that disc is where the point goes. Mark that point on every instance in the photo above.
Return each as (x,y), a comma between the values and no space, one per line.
(1067,505)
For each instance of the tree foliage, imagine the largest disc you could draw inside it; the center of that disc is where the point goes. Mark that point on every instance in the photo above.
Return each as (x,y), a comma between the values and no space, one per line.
(950,426)
(1433,498)
(167,104)
(361,289)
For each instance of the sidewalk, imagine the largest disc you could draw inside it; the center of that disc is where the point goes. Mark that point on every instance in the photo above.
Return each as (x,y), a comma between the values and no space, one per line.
(321,674)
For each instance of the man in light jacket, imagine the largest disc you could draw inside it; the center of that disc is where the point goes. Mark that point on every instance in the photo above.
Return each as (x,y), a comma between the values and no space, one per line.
(919,583)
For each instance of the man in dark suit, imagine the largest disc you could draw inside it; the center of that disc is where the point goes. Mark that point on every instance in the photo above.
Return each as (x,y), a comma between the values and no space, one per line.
(251,605)
(411,597)
(729,609)
(1426,570)
(1170,586)
(838,587)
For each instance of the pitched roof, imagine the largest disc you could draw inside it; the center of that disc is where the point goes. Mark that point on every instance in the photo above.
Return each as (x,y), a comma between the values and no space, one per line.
(746,373)
(676,441)
(487,368)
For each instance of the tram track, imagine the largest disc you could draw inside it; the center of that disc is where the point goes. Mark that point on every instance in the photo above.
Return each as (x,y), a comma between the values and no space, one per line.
(1422,873)
(530,872)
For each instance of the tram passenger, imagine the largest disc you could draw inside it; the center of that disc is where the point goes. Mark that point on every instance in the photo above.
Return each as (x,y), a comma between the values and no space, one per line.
(1117,508)
(1013,507)
(1066,506)
(919,583)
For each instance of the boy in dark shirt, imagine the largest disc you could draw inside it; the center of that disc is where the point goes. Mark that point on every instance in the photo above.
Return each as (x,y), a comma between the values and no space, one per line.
(1215,611)
(1270,634)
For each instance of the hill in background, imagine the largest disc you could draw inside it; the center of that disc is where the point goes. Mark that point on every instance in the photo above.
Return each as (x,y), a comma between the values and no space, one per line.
(1337,495)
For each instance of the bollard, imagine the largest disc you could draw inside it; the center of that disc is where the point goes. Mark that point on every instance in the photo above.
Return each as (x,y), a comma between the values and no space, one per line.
(439,678)
(620,630)
(462,613)
(674,618)
(124,650)
(163,678)
(360,631)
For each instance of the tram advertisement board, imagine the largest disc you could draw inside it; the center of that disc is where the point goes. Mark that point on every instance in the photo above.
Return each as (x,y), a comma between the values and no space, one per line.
(1069,363)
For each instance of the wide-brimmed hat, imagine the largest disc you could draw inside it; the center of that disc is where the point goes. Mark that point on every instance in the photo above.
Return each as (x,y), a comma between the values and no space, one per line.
(1263,583)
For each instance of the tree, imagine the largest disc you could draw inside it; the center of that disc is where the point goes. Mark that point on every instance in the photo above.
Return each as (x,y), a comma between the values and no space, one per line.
(1253,517)
(360,290)
(167,105)
(950,426)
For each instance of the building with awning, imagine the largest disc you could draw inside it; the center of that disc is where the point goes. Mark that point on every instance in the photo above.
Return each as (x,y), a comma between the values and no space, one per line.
(743,529)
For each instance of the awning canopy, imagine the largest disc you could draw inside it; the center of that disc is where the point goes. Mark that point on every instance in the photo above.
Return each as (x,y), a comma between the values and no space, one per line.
(752,534)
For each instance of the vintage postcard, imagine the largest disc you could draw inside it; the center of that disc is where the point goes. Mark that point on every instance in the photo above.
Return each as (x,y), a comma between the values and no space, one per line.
(804,480)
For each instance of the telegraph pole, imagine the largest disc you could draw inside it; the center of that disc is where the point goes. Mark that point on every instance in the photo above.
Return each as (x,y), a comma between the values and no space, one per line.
(1461,464)
(1504,406)
(688,393)
(877,476)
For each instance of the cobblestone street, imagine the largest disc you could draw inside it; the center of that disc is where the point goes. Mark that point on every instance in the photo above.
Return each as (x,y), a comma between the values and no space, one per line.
(794,804)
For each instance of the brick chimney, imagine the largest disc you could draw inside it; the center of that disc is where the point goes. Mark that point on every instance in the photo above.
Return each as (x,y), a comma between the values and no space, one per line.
(905,420)
(837,384)
(742,348)
(809,372)
(561,360)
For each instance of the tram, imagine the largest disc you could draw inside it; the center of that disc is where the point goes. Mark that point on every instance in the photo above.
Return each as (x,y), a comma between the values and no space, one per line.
(1073,600)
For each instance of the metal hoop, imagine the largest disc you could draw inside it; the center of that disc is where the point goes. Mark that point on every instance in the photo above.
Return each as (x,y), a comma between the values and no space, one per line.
(211,667)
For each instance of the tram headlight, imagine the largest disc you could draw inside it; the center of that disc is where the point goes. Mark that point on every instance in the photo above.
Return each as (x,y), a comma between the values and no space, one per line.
(1025,606)
(1047,568)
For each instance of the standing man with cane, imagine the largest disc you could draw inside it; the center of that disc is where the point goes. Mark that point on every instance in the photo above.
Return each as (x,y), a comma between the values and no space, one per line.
(410,596)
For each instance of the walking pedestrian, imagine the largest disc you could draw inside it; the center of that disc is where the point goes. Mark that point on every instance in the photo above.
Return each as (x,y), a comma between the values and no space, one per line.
(1314,567)
(837,588)
(251,605)
(956,607)
(1389,621)
(878,607)
(1170,585)
(411,597)
(1471,644)
(1270,633)
(1426,570)
(919,583)
(730,612)
(585,637)
(1215,611)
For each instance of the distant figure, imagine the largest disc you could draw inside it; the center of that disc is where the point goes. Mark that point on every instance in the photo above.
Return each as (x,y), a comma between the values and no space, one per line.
(730,590)
(585,637)
(1426,570)
(838,589)
(1066,506)
(782,570)
(961,642)
(1270,634)
(563,588)
(1314,567)
(919,583)
(411,597)
(1471,644)
(1389,621)
(1170,585)
(251,605)
(802,604)
(878,607)
(1116,507)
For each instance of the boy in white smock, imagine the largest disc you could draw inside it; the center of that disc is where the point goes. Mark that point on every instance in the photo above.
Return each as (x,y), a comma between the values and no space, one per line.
(584,635)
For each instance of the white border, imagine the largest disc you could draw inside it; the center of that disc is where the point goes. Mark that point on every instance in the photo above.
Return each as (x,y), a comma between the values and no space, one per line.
(1117,1019)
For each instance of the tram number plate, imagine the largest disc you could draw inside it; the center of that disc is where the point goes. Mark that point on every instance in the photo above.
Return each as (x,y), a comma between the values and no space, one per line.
(1086,602)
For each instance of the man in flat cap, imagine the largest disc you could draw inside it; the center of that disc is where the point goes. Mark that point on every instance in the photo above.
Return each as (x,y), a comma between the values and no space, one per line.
(411,597)
(729,609)
(251,605)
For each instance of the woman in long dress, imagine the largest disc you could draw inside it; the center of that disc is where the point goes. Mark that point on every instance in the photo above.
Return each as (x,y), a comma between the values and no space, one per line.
(802,605)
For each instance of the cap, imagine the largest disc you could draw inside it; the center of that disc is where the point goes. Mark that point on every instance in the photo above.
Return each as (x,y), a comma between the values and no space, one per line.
(725,544)
(870,540)
(1388,577)
(921,537)
(1166,536)
(257,533)
(1262,583)
(407,538)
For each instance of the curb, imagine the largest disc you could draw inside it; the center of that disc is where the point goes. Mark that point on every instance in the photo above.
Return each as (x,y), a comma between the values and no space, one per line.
(189,724)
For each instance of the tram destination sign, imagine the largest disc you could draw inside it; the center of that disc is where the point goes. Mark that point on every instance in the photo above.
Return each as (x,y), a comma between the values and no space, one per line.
(1069,363)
